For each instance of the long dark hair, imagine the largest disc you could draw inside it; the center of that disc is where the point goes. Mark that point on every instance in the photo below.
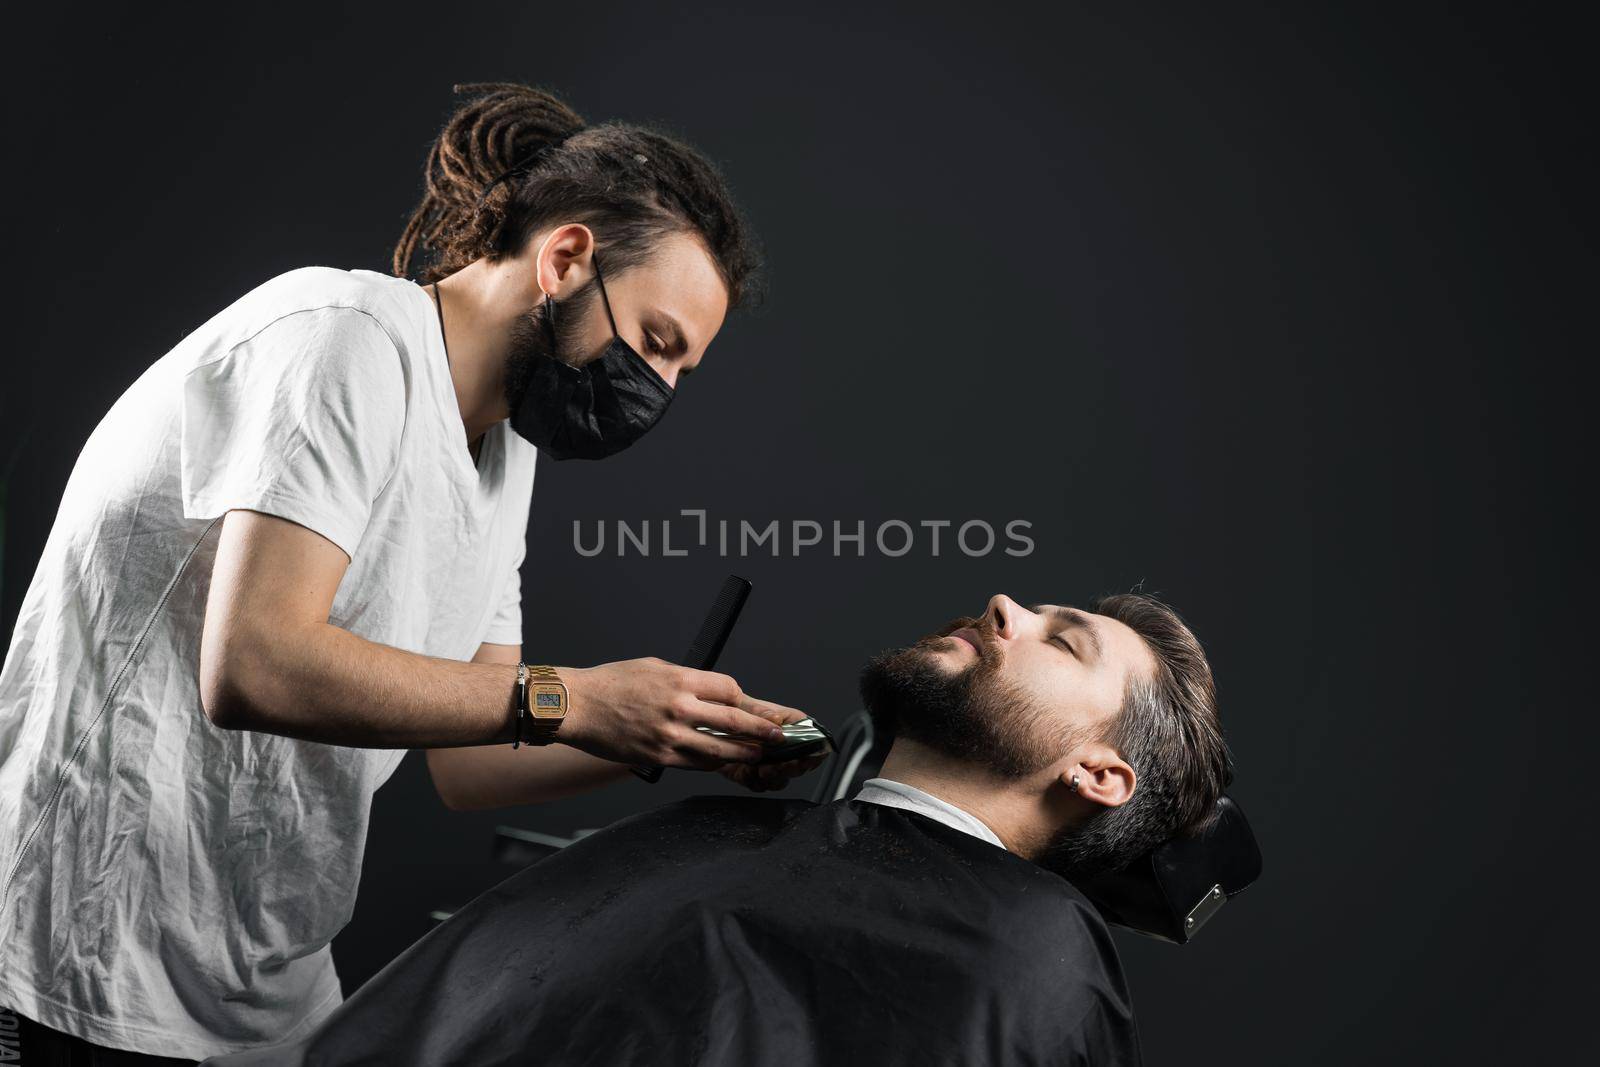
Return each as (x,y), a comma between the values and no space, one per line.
(539,165)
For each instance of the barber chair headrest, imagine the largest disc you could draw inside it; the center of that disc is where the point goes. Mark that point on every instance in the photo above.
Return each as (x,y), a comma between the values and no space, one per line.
(1171,891)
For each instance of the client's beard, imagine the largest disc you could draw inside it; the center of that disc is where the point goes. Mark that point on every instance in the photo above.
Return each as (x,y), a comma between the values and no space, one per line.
(530,338)
(971,714)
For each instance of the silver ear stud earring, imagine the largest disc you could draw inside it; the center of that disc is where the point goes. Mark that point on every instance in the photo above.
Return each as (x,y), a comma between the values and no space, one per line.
(1074,783)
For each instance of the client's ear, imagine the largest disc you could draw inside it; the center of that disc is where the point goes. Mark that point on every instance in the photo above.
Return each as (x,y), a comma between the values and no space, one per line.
(1103,776)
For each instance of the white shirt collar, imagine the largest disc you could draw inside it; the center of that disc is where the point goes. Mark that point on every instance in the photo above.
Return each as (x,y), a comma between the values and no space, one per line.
(892,794)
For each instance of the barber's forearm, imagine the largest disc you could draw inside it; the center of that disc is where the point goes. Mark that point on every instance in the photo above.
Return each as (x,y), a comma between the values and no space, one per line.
(498,776)
(319,682)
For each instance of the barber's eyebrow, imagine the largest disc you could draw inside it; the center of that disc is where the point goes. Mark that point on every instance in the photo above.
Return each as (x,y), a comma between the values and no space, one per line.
(1073,617)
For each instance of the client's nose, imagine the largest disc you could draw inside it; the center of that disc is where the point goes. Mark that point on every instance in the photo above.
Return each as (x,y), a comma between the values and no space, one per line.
(1003,615)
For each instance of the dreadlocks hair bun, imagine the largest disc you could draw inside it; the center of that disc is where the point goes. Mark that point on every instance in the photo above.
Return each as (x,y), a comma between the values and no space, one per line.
(515,159)
(503,125)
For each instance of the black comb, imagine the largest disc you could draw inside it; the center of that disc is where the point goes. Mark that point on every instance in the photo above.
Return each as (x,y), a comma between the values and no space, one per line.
(710,641)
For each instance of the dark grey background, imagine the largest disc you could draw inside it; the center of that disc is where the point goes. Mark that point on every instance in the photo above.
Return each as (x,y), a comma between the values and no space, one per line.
(1274,311)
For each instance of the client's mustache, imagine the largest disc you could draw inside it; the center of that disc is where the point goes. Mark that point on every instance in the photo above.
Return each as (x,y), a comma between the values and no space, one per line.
(984,627)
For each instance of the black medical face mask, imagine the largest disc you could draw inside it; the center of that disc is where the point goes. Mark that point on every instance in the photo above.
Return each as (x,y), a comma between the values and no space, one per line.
(595,410)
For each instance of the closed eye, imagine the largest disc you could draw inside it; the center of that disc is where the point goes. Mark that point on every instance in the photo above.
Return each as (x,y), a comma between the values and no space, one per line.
(1064,643)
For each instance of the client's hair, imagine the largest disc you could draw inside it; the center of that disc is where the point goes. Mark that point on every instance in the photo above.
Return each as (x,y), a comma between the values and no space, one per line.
(540,165)
(1168,732)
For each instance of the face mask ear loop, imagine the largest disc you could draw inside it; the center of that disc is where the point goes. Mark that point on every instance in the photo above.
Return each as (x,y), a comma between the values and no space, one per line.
(550,317)
(604,298)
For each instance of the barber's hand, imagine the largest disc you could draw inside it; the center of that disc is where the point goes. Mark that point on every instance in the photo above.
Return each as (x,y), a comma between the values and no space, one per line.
(762,777)
(645,711)
(759,779)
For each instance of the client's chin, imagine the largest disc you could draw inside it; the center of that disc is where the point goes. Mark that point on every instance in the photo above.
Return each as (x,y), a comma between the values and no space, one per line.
(898,684)
(947,695)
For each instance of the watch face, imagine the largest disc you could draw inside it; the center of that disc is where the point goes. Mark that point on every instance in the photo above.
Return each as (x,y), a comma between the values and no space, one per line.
(549,701)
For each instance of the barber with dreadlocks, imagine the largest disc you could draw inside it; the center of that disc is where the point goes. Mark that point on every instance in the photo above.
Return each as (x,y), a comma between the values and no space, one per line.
(290,552)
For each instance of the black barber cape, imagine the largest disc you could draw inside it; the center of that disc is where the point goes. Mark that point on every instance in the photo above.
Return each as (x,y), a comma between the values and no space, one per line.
(748,931)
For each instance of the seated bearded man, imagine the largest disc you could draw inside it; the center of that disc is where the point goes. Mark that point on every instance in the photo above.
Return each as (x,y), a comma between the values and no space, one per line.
(929,919)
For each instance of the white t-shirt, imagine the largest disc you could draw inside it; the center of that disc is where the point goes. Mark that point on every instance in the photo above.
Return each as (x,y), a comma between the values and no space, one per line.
(167,886)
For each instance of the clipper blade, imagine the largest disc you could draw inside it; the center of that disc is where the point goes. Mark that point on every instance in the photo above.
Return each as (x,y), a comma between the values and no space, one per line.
(808,737)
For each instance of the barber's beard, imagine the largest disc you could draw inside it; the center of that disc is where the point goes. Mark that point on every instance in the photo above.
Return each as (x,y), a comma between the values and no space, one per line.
(971,714)
(530,338)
